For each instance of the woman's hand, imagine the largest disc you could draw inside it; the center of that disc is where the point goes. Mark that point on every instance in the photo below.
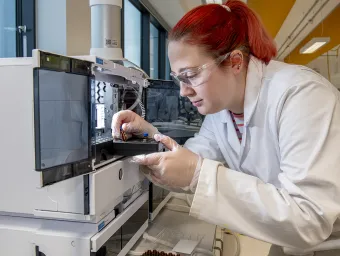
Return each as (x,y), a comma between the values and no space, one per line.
(132,124)
(177,168)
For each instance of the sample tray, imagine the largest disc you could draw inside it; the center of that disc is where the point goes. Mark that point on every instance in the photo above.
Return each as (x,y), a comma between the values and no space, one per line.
(134,147)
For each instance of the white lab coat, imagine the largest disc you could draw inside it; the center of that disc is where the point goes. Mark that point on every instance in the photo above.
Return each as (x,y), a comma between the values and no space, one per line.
(282,183)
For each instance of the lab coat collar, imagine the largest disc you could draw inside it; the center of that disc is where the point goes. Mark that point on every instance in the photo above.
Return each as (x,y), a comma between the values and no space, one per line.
(255,74)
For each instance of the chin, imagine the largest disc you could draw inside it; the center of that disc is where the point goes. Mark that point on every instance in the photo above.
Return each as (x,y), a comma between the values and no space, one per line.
(204,110)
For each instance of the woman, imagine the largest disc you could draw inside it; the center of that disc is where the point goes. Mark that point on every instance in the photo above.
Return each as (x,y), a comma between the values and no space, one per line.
(266,161)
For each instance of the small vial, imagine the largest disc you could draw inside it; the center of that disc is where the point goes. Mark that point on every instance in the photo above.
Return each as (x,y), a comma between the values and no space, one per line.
(145,136)
(123,134)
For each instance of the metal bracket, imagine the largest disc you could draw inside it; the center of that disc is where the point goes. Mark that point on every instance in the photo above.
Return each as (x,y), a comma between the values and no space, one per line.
(22,29)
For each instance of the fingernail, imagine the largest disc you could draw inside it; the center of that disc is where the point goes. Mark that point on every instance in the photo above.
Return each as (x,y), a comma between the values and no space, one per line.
(116,134)
(138,159)
(157,137)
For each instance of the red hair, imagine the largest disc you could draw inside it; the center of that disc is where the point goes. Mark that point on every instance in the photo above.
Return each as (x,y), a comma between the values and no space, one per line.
(220,31)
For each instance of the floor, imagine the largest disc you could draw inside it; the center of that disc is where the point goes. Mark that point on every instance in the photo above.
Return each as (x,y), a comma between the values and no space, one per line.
(248,246)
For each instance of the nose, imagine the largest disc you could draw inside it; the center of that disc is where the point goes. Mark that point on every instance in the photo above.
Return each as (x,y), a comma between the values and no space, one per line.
(186,90)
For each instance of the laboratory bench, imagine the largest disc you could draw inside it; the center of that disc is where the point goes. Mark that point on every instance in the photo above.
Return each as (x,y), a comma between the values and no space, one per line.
(171,224)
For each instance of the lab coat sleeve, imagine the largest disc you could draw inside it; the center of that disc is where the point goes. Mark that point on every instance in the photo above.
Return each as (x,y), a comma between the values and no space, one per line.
(301,213)
(204,142)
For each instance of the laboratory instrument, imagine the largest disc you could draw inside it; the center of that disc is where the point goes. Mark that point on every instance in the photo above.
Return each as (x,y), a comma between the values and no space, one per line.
(61,174)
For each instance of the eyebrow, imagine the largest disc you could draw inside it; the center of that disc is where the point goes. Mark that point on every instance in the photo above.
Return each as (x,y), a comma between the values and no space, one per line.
(185,68)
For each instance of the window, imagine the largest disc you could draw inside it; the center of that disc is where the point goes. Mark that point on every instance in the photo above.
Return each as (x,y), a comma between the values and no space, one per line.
(132,33)
(15,14)
(154,52)
(144,39)
(7,28)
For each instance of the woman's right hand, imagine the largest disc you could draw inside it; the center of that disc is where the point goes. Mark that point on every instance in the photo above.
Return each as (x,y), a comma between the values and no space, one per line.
(132,124)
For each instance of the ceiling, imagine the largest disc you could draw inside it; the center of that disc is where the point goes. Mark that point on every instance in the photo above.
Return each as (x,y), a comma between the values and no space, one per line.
(292,23)
(173,10)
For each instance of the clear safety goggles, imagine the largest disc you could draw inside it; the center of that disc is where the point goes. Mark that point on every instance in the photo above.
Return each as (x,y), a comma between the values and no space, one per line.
(194,77)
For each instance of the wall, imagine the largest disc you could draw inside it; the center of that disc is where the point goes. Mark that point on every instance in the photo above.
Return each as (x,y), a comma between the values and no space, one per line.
(64,26)
(78,27)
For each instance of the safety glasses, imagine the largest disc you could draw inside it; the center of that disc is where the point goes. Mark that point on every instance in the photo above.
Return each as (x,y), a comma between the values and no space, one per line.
(194,77)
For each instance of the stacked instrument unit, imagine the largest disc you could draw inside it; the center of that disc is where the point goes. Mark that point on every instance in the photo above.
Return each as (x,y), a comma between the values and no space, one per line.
(66,188)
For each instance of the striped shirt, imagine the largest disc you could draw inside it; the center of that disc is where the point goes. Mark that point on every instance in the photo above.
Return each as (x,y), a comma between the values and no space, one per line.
(238,120)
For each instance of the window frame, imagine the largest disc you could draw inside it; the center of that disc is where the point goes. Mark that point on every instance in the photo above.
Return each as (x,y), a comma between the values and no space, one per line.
(158,57)
(146,19)
(25,16)
(137,6)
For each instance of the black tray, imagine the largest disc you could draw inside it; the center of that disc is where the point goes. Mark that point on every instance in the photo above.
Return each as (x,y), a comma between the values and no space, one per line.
(134,147)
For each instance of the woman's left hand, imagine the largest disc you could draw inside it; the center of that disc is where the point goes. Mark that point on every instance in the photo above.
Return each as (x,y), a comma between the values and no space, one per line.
(176,168)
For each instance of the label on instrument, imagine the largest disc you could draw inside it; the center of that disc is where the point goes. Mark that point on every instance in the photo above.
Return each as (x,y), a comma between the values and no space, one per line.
(100,109)
(111,43)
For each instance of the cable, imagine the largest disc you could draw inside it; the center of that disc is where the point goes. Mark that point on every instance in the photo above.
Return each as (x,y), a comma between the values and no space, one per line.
(140,89)
(143,109)
(139,97)
(188,201)
(238,243)
(139,102)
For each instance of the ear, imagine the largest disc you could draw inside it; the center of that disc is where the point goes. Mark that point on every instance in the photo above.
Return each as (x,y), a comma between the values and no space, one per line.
(236,59)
